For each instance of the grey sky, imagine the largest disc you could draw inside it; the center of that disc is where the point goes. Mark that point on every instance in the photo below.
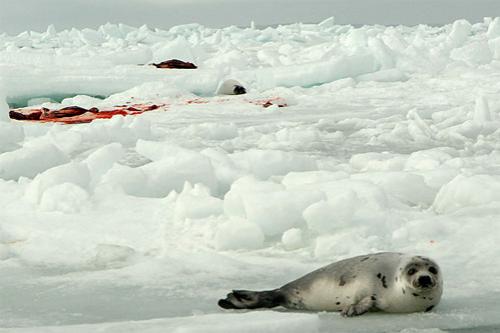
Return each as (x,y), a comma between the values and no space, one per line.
(20,15)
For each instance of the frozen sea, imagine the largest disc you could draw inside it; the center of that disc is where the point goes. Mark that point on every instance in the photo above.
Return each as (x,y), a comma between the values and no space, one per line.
(389,142)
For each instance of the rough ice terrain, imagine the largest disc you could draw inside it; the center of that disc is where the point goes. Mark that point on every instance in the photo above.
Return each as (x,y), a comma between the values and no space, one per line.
(390,142)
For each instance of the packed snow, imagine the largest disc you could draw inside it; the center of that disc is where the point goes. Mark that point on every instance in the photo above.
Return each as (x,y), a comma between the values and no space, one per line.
(389,142)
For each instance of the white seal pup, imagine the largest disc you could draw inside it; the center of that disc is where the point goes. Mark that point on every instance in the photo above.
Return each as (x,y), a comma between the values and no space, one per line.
(387,281)
(231,87)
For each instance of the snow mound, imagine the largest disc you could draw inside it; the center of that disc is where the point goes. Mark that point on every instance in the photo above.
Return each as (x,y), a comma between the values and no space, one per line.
(467,191)
(267,163)
(29,161)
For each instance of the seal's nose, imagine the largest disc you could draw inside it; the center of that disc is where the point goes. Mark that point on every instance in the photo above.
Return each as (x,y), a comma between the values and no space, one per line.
(425,281)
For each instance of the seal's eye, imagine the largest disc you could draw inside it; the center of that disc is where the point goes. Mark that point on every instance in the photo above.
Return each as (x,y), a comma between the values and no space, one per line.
(433,270)
(412,271)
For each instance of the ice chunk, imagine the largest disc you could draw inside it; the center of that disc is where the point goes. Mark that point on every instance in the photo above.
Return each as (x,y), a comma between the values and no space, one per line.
(73,172)
(101,160)
(132,181)
(172,166)
(378,161)
(418,129)
(4,107)
(407,187)
(475,53)
(299,179)
(266,163)
(292,239)
(108,256)
(327,216)
(233,200)
(11,134)
(276,212)
(482,113)
(387,75)
(292,137)
(325,71)
(382,52)
(460,31)
(225,169)
(266,204)
(39,101)
(344,243)
(170,173)
(494,29)
(238,234)
(467,191)
(429,159)
(213,131)
(67,141)
(196,203)
(91,37)
(30,161)
(179,48)
(66,198)
(327,23)
(83,101)
(156,151)
(372,197)
(494,45)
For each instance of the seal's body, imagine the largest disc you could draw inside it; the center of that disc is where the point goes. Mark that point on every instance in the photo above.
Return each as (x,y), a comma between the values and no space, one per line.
(231,87)
(390,282)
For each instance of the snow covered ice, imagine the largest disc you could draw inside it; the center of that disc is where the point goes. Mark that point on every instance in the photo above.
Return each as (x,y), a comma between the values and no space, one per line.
(390,141)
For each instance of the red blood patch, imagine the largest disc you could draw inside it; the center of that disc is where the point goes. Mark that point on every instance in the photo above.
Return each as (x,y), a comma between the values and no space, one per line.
(77,115)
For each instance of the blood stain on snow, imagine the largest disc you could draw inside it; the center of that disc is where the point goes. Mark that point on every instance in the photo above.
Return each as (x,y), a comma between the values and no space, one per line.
(78,115)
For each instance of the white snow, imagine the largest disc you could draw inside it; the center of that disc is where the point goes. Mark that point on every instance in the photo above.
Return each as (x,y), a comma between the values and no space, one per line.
(389,142)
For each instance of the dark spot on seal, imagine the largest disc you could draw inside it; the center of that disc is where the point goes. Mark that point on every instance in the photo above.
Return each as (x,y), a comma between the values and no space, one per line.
(430,298)
(342,280)
(365,259)
(429,308)
(403,290)
(416,295)
(382,279)
(396,279)
(374,297)
(348,297)
(338,303)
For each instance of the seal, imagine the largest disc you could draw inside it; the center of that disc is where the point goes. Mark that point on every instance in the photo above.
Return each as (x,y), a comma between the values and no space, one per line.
(386,281)
(231,87)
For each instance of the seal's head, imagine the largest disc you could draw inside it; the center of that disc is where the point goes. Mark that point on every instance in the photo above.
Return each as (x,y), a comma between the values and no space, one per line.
(239,90)
(422,275)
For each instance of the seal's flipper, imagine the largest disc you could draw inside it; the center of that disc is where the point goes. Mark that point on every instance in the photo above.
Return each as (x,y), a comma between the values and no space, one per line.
(363,306)
(246,299)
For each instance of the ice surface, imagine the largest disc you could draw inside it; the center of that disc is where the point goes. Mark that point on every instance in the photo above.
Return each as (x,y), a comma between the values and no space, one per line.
(389,142)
